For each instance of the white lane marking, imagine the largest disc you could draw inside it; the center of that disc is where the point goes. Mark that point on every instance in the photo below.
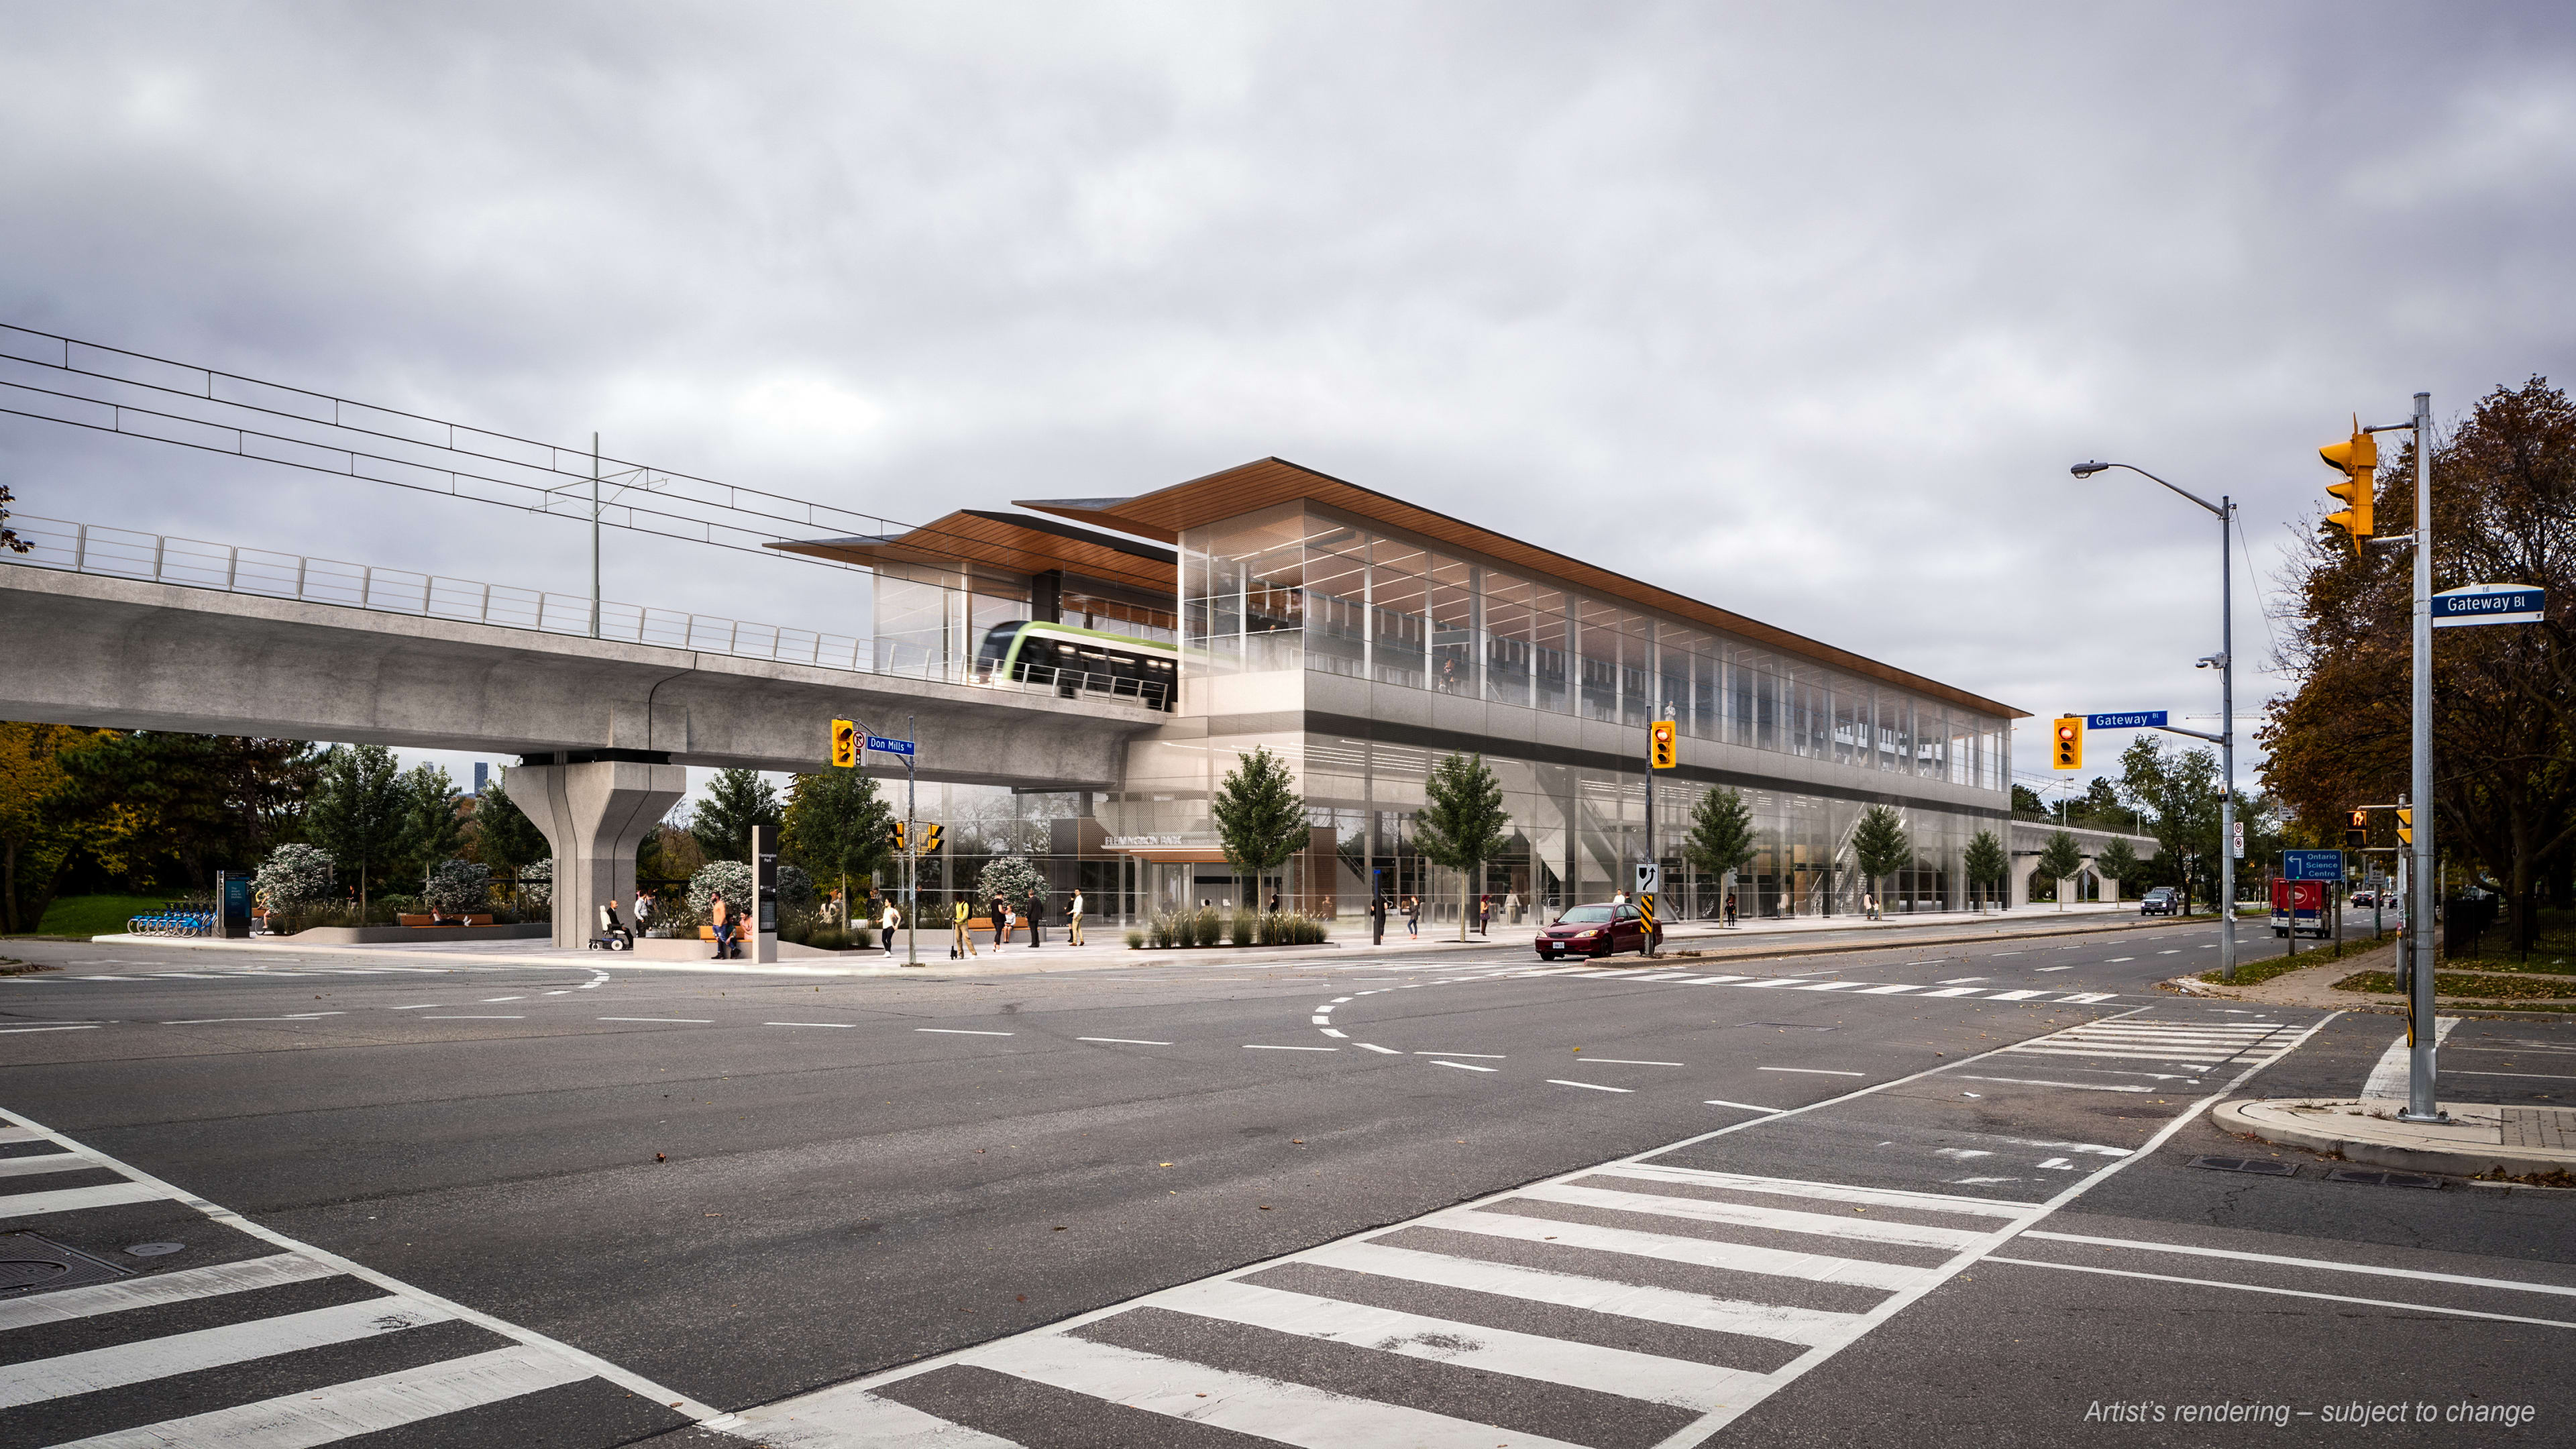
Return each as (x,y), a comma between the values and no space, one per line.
(497,1000)
(1330,1031)
(1810,1326)
(2087,998)
(2388,1076)
(1594,1086)
(2095,1148)
(2374,1270)
(1963,981)
(1671,1248)
(1713,980)
(418,1006)
(1625,1062)
(2286,1292)
(1953,991)
(76,1199)
(2013,995)
(1338,1000)
(1367,1046)
(680,1020)
(1888,990)
(1123,1040)
(1463,1066)
(2116,960)
(469,1018)
(947,1031)
(2036,1082)
(1319,1019)
(212,1020)
(567,991)
(1750,1215)
(2045,969)
(1662,976)
(1481,1056)
(849,1417)
(1290,1049)
(361,1406)
(1527,1356)
(1812,1071)
(2174,952)
(13,1030)
(839,1025)
(50,1162)
(2518,1076)
(1779,981)
(65,1304)
(1830,986)
(1260,1407)
(37,1380)
(1747,1106)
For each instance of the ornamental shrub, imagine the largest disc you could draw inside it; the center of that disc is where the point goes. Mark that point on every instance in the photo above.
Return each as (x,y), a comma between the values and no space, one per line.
(458,888)
(295,878)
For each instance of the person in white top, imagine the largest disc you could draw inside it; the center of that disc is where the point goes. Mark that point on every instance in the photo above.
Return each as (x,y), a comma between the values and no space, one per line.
(1073,920)
(643,909)
(889,923)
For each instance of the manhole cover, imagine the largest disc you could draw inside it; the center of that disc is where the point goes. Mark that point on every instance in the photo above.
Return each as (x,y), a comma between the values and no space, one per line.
(33,1264)
(2376,1178)
(2259,1166)
(155,1250)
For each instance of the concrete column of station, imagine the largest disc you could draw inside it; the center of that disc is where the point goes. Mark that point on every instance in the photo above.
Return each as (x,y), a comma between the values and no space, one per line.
(594,815)
(2024,869)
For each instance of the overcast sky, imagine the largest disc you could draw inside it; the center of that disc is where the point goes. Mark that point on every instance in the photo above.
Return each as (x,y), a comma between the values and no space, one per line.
(1801,309)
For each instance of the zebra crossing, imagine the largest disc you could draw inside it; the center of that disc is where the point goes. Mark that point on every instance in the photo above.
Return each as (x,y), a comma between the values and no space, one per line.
(220,1331)
(1820,983)
(1613,1308)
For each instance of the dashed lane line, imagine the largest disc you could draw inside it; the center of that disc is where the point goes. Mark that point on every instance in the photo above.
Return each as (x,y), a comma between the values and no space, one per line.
(1813,1071)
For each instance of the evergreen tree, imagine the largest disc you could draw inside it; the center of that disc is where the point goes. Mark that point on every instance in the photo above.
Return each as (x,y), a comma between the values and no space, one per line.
(1880,846)
(737,799)
(432,832)
(358,811)
(1463,823)
(2059,860)
(1260,817)
(1720,839)
(504,837)
(2117,862)
(1986,861)
(838,824)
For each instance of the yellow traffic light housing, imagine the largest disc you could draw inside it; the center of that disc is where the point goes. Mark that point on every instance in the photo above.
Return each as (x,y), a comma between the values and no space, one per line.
(2356,829)
(845,744)
(930,840)
(2357,459)
(2405,826)
(897,836)
(2067,741)
(1663,745)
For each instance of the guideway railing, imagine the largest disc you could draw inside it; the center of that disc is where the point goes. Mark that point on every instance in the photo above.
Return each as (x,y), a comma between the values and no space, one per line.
(89,548)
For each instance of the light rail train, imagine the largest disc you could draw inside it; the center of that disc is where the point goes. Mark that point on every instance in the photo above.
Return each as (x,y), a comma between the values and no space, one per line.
(1080,661)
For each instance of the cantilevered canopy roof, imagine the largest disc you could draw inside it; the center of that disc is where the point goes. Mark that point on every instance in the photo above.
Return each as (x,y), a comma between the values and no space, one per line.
(1006,542)
(1164,513)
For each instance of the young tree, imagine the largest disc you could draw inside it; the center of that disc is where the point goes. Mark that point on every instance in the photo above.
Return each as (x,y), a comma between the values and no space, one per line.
(2026,804)
(295,878)
(2059,860)
(33,840)
(737,799)
(504,836)
(9,538)
(1463,823)
(2117,862)
(432,831)
(1880,846)
(357,812)
(1012,878)
(1986,862)
(1260,817)
(838,824)
(1720,839)
(2178,791)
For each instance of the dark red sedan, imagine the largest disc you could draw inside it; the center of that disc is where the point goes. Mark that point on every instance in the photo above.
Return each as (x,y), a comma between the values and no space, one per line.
(1595,931)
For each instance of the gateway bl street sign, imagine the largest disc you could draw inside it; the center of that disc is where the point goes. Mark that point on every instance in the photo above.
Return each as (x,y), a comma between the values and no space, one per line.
(2488,604)
(2136,719)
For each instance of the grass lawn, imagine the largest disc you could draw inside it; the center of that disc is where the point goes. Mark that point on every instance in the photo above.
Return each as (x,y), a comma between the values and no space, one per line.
(2456,989)
(2249,972)
(2554,948)
(86,916)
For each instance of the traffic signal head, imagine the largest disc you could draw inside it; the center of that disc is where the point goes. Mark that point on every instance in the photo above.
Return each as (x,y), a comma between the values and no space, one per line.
(930,840)
(897,835)
(2405,826)
(1663,745)
(845,743)
(2356,829)
(2066,743)
(2357,459)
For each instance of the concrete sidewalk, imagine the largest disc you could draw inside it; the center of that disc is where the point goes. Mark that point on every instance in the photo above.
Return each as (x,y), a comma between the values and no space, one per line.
(2479,1138)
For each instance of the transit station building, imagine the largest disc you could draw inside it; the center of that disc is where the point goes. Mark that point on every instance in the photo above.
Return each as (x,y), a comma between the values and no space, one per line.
(1361,638)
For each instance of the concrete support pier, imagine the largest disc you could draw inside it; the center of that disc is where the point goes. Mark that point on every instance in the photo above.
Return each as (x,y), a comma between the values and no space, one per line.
(594,815)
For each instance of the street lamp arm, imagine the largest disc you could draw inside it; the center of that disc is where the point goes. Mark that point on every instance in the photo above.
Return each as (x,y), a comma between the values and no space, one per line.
(2087,470)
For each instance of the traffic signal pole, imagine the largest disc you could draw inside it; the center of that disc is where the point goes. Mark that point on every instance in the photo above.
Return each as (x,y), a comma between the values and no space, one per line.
(2227,748)
(2422,1105)
(911,856)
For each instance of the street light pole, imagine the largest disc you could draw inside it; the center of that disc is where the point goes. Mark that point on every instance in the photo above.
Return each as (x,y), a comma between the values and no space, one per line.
(2225,739)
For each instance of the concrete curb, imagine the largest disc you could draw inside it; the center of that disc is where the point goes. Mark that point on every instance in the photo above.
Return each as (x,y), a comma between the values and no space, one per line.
(2363,1130)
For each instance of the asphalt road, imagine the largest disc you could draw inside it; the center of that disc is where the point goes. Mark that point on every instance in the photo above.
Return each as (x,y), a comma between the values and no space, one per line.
(825,1213)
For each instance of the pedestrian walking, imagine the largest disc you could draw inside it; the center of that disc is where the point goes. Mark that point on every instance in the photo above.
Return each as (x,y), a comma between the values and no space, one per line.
(1001,911)
(964,943)
(1484,915)
(1274,903)
(1037,918)
(888,922)
(720,915)
(1413,918)
(1073,918)
(1730,910)
(1868,906)
(1512,906)
(643,909)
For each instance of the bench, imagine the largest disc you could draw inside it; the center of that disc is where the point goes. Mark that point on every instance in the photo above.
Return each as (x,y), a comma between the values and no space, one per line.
(426,920)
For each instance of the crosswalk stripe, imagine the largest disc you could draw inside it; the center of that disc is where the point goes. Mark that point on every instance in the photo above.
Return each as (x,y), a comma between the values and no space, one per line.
(360,1406)
(849,1417)
(178,1353)
(1699,1252)
(2087,998)
(48,1163)
(1956,991)
(1821,1191)
(1263,1407)
(1808,1326)
(1477,1346)
(65,1304)
(2183,1056)
(2015,995)
(1751,1216)
(1888,990)
(75,1199)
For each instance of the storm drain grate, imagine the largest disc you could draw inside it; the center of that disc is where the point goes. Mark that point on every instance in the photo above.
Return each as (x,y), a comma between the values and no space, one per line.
(2377,1178)
(32,1264)
(2259,1166)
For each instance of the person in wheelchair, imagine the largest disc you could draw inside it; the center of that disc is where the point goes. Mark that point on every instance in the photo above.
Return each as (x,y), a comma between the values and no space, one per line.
(613,934)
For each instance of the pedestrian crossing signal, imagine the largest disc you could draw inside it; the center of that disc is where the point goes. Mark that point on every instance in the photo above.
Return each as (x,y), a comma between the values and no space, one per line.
(845,743)
(1663,745)
(897,836)
(2405,827)
(2068,753)
(2356,829)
